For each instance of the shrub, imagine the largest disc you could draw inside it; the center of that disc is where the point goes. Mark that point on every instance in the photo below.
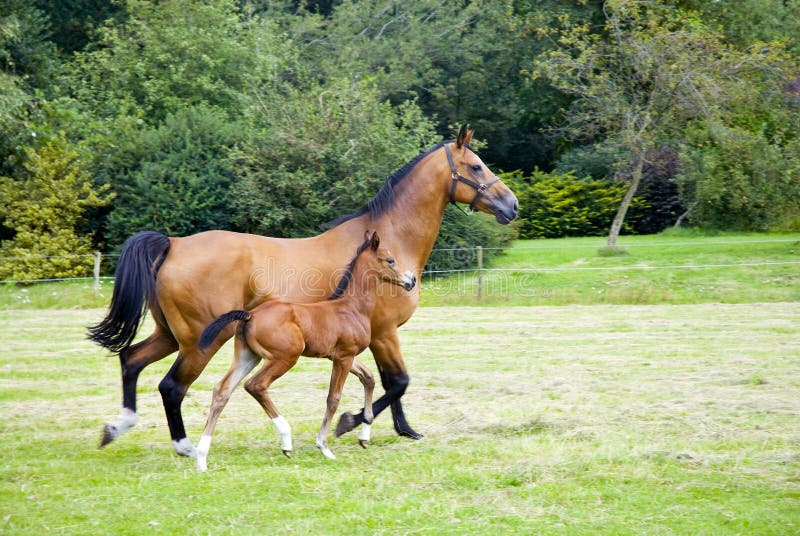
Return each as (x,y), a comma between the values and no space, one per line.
(554,205)
(45,210)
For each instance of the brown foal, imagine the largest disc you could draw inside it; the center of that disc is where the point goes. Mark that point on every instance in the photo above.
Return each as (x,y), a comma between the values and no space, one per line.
(279,332)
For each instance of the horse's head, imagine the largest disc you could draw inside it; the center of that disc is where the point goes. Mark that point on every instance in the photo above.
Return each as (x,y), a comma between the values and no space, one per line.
(475,184)
(385,267)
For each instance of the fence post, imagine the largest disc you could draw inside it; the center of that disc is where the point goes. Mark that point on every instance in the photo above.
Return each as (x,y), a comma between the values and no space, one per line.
(97,257)
(479,255)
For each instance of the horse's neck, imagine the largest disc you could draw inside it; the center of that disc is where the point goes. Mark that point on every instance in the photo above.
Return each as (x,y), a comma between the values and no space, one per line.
(416,215)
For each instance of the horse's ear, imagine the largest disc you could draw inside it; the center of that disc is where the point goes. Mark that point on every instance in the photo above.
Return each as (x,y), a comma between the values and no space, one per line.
(375,241)
(464,136)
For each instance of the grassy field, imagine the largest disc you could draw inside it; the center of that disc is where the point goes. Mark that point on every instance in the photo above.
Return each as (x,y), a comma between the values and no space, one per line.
(675,268)
(661,419)
(670,268)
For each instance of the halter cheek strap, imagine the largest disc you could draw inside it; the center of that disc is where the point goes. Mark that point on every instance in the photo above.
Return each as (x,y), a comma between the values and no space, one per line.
(480,189)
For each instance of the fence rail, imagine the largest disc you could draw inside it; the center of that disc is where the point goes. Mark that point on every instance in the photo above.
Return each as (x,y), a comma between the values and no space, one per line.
(475,252)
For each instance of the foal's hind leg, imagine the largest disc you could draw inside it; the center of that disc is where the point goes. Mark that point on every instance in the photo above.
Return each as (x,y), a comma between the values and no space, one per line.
(258,387)
(243,362)
(347,420)
(132,361)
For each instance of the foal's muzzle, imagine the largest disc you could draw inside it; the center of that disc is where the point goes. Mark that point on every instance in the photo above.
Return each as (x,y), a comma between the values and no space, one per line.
(409,280)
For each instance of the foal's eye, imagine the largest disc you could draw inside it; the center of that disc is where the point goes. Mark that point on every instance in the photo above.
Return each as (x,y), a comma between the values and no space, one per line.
(476,167)
(390,261)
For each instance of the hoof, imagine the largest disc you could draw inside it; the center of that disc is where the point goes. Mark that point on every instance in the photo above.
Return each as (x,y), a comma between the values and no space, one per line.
(346,423)
(287,453)
(408,432)
(364,443)
(109,434)
(183,447)
(327,453)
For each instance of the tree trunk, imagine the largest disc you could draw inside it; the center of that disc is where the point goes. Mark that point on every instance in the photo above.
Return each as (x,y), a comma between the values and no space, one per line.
(636,178)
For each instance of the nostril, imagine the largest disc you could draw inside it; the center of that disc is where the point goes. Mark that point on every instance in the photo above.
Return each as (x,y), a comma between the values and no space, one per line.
(516,205)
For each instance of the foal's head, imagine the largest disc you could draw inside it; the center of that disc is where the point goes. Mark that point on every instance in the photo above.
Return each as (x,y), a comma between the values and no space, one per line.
(374,262)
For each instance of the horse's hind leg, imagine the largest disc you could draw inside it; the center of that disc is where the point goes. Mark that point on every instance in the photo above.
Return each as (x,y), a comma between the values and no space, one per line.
(243,362)
(132,361)
(347,420)
(173,388)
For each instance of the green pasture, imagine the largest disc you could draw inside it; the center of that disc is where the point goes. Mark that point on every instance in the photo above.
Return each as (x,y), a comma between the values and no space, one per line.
(670,268)
(609,419)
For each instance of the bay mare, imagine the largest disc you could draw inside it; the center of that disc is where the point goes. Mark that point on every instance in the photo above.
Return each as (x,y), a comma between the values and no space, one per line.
(187,282)
(278,332)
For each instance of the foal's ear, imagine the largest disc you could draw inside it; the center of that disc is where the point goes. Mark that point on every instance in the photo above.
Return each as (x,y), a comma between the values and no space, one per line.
(464,136)
(375,241)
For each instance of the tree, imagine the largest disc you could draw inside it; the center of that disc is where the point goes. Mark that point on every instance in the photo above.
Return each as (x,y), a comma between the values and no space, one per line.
(45,207)
(554,205)
(639,82)
(321,152)
(165,56)
(175,178)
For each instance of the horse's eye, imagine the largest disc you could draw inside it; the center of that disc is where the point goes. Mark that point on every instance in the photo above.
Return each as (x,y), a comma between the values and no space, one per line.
(390,261)
(476,167)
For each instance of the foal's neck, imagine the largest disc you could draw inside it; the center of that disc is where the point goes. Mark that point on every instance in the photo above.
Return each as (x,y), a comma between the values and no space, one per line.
(360,293)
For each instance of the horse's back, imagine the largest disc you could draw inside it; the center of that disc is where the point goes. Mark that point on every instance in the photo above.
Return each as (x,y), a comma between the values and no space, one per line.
(206,275)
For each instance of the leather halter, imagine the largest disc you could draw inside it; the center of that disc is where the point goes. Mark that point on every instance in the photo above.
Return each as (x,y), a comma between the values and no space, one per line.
(480,189)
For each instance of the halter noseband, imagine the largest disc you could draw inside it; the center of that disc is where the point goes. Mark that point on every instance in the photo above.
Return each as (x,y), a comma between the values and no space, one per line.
(480,189)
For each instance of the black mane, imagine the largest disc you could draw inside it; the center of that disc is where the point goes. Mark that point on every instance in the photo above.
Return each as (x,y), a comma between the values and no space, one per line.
(348,273)
(384,199)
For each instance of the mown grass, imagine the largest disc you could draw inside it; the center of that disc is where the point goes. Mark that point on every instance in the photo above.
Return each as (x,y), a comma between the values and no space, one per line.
(673,267)
(670,419)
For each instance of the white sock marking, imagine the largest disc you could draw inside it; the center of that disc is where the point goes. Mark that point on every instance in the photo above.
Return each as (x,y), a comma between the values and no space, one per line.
(285,431)
(365,432)
(126,420)
(203,446)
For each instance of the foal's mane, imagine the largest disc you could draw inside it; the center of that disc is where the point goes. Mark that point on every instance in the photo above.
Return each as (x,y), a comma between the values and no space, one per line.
(385,197)
(348,272)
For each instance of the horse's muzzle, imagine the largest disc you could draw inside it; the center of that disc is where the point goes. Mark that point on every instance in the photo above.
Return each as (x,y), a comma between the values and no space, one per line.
(506,209)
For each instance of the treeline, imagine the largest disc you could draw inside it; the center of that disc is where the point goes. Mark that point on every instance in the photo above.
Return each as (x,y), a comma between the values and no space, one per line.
(274,117)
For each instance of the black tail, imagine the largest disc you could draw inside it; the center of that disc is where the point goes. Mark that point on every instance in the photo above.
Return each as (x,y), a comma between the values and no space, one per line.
(213,330)
(134,290)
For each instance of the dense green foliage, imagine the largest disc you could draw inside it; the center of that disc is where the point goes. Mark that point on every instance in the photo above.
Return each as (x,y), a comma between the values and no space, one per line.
(45,206)
(556,205)
(274,117)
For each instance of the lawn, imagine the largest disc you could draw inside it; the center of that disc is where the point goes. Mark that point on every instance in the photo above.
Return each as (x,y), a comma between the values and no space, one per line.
(670,268)
(673,267)
(613,419)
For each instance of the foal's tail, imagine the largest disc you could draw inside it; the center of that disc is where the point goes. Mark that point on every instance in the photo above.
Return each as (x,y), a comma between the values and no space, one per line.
(213,330)
(134,290)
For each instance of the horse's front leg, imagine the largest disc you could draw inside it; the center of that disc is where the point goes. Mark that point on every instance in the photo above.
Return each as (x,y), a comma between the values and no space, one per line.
(386,350)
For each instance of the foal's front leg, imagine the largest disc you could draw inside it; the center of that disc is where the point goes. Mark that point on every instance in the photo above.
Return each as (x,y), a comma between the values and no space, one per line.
(341,367)
(347,420)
